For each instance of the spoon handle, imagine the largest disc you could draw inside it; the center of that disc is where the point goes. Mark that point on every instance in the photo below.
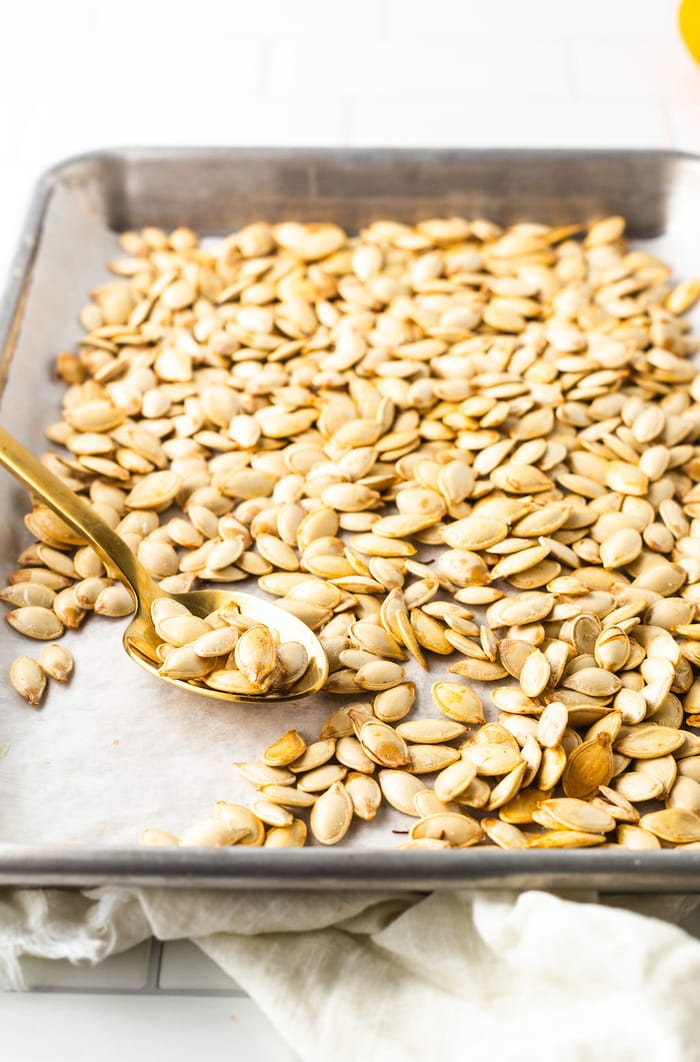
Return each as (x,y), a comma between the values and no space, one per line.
(80,516)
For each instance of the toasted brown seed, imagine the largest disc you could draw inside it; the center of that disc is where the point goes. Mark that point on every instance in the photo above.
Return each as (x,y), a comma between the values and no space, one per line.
(322,778)
(458,702)
(649,741)
(331,815)
(552,766)
(503,834)
(424,844)
(28,678)
(350,754)
(315,755)
(272,814)
(508,786)
(56,661)
(621,548)
(375,640)
(519,810)
(685,794)
(589,766)
(492,758)
(535,673)
(285,750)
(635,837)
(210,833)
(365,794)
(183,663)
(288,796)
(215,643)
(673,824)
(181,630)
(382,675)
(231,680)
(29,593)
(395,703)
(263,774)
(575,814)
(293,836)
(612,649)
(34,621)
(454,779)
(565,839)
(383,745)
(478,670)
(460,830)
(242,821)
(607,230)
(430,731)
(256,655)
(158,838)
(637,787)
(520,479)
(552,724)
(339,724)
(399,789)
(474,533)
(424,759)
(593,681)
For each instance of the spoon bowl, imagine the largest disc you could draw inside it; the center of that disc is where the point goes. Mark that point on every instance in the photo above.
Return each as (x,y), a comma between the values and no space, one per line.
(140,638)
(140,641)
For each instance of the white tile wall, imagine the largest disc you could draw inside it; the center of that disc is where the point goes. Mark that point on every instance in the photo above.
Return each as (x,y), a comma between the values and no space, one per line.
(635,69)
(77,75)
(557,123)
(564,19)
(684,125)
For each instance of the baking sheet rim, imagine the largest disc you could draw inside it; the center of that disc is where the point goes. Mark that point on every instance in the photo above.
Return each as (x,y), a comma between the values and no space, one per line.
(313,868)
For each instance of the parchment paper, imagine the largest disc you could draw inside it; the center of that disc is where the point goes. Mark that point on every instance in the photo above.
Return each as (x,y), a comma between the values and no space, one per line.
(115,750)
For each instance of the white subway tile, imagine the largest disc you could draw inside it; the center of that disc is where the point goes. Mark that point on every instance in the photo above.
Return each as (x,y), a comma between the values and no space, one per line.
(635,69)
(324,18)
(183,28)
(553,125)
(74,76)
(41,18)
(96,125)
(132,19)
(417,68)
(527,18)
(684,120)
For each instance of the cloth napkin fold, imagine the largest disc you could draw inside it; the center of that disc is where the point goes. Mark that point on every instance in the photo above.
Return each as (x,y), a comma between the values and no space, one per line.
(397,977)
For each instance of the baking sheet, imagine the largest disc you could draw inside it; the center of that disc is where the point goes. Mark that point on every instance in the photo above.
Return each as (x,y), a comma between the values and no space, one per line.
(114,750)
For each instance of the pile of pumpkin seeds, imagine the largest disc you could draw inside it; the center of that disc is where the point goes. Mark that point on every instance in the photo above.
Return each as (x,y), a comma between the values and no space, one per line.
(443,440)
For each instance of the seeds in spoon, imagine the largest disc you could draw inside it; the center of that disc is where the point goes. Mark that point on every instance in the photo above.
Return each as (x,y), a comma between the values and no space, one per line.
(249,650)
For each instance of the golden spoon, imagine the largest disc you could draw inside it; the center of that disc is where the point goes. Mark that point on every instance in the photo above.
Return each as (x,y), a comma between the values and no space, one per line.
(140,639)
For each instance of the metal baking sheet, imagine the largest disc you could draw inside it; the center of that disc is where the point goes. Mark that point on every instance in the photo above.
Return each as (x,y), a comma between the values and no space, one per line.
(114,751)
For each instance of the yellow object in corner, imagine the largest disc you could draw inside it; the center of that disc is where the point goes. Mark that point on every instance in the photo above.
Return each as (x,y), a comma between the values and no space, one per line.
(689,21)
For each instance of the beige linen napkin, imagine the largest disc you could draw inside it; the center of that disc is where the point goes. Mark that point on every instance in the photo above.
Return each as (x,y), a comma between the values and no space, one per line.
(391,977)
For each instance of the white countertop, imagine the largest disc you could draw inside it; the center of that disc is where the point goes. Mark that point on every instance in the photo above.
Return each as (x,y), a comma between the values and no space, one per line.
(76,75)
